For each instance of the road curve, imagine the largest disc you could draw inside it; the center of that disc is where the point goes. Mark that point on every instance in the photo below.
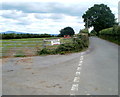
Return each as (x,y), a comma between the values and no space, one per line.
(56,74)
(99,75)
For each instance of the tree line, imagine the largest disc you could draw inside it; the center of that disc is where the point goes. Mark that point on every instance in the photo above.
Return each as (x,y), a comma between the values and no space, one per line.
(20,36)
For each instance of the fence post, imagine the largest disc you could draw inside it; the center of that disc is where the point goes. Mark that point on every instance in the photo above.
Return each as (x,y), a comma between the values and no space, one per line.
(44,43)
(14,49)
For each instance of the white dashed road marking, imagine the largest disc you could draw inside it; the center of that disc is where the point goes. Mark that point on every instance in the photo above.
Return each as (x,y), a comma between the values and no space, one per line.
(81,58)
(79,68)
(74,87)
(77,73)
(81,55)
(81,61)
(77,77)
(79,65)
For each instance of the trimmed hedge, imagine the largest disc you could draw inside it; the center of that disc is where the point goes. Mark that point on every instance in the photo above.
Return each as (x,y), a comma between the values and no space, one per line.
(111,34)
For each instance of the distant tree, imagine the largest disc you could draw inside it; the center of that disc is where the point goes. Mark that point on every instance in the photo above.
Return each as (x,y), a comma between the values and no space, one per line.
(84,31)
(93,32)
(27,35)
(99,16)
(67,31)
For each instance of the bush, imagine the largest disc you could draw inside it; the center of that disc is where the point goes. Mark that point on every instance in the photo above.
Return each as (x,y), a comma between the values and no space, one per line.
(19,55)
(43,51)
(77,44)
(111,34)
(116,30)
(84,30)
(93,33)
(65,47)
(107,31)
(84,40)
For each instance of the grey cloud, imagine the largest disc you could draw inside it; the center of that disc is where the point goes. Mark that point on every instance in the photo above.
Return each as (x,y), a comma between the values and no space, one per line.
(57,16)
(41,16)
(54,16)
(49,7)
(22,23)
(13,14)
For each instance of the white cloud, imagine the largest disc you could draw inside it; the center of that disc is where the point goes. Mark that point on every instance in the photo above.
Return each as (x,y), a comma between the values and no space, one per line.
(45,17)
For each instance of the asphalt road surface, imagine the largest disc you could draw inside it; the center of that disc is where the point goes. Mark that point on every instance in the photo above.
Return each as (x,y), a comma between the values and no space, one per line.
(94,72)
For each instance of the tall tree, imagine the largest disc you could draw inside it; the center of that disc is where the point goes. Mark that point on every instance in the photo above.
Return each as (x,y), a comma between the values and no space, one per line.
(67,31)
(99,16)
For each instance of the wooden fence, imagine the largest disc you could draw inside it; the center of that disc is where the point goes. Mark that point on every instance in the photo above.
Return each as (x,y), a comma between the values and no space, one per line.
(13,48)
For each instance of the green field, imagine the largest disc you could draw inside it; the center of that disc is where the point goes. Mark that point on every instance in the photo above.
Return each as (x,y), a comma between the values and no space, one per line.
(28,46)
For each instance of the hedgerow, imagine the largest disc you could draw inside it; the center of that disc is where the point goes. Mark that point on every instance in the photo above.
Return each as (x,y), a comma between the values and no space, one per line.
(111,34)
(77,44)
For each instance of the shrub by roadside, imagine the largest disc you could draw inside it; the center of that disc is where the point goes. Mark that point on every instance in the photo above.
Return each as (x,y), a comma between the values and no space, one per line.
(111,34)
(77,44)
(20,55)
(45,51)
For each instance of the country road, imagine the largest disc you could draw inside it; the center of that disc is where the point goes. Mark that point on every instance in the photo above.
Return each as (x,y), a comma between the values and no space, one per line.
(94,72)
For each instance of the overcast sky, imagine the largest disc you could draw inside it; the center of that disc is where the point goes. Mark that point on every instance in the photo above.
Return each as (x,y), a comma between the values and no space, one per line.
(47,16)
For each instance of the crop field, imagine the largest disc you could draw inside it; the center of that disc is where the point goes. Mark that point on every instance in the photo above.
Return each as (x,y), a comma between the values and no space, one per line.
(28,46)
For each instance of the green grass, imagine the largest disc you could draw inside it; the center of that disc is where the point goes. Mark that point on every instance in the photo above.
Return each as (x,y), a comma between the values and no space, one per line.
(37,44)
